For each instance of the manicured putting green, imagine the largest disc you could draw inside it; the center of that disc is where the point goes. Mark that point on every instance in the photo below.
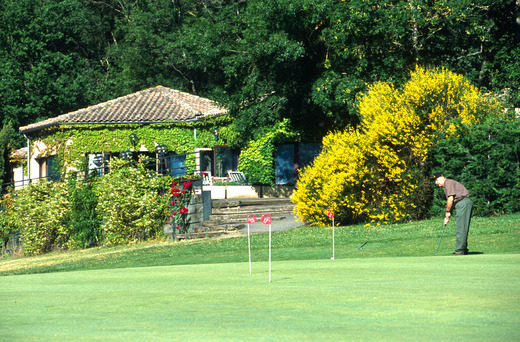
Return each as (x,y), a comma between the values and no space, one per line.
(443,298)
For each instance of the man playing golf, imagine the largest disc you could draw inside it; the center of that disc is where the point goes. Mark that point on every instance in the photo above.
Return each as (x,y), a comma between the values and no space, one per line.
(457,196)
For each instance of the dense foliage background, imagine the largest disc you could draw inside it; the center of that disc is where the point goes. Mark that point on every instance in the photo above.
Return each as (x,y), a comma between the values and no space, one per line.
(304,60)
(486,159)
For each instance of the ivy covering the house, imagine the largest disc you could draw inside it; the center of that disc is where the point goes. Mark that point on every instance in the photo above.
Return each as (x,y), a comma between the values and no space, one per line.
(71,143)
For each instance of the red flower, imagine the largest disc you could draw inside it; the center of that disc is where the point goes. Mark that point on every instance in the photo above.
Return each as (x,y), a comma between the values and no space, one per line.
(174,213)
(174,184)
(171,215)
(187,184)
(178,227)
(183,192)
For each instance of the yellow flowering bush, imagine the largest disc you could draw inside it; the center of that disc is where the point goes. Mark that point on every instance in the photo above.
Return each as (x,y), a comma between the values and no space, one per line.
(377,172)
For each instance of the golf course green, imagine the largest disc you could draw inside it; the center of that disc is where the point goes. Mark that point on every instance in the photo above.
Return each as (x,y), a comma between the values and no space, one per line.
(475,298)
(203,291)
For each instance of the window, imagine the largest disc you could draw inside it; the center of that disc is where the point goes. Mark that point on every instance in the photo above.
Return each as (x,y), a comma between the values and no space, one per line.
(290,158)
(177,165)
(49,169)
(285,166)
(225,160)
(205,160)
(98,163)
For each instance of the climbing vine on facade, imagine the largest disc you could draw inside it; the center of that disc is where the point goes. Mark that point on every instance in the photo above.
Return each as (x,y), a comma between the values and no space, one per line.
(71,143)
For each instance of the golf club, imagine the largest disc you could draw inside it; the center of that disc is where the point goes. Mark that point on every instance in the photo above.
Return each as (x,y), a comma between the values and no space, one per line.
(440,239)
(363,245)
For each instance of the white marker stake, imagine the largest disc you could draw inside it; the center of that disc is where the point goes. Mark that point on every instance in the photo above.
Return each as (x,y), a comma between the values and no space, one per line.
(331,215)
(267,219)
(249,247)
(250,219)
(269,253)
(333,249)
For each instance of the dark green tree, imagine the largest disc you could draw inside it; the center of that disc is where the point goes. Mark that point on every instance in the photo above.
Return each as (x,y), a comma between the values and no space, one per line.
(6,137)
(382,40)
(266,60)
(51,58)
(486,159)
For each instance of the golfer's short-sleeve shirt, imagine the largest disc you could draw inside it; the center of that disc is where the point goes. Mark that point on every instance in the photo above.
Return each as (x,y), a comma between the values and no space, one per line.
(455,189)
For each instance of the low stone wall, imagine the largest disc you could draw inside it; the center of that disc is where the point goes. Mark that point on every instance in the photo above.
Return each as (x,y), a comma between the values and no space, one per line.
(250,191)
(195,215)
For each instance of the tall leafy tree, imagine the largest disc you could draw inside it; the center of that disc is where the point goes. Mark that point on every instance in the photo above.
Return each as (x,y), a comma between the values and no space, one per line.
(381,40)
(266,60)
(6,136)
(271,73)
(49,58)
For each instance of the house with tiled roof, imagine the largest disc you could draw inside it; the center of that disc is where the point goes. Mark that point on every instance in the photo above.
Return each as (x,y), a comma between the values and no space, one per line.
(152,123)
(152,105)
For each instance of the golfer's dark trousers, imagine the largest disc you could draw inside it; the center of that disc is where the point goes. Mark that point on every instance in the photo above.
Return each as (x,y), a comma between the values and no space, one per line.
(464,207)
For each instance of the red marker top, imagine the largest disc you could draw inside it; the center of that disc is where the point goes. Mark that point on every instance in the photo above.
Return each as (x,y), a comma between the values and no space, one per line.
(266,219)
(251,219)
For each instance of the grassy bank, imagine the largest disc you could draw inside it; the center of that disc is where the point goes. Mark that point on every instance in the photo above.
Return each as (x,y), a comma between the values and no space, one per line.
(487,236)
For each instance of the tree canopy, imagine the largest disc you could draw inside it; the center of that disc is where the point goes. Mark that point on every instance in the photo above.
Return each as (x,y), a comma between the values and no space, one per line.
(266,60)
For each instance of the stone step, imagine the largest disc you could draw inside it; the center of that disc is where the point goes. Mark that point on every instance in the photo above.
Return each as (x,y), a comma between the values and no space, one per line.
(229,216)
(238,220)
(237,215)
(239,203)
(207,234)
(235,211)
(261,209)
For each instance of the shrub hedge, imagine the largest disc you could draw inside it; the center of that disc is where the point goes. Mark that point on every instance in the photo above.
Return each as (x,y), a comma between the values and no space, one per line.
(128,204)
(133,203)
(486,159)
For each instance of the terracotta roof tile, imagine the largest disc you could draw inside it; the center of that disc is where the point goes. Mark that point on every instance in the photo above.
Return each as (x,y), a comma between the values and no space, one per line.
(19,154)
(151,105)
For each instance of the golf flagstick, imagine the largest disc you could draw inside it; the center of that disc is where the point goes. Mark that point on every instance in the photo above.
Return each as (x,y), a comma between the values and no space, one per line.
(331,215)
(269,252)
(333,249)
(440,239)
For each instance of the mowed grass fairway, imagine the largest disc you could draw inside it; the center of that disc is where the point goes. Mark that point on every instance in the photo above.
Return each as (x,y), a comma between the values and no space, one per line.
(363,295)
